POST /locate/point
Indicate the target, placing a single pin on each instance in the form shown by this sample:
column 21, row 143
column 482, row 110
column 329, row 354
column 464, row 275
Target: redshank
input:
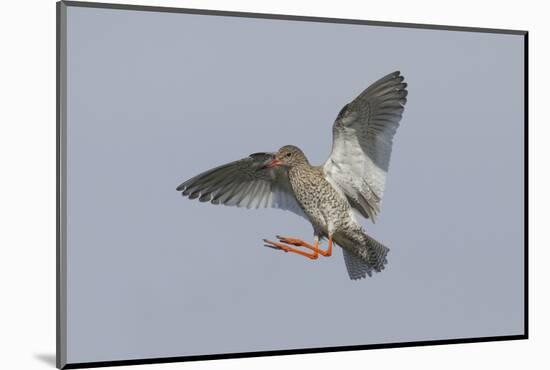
column 353, row 178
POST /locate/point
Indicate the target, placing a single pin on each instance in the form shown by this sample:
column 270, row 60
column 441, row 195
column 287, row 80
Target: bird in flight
column 353, row 178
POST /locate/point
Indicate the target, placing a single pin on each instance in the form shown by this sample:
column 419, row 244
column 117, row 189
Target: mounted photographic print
column 236, row 184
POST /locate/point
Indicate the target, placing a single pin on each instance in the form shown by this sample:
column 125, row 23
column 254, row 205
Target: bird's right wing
column 244, row 183
column 362, row 143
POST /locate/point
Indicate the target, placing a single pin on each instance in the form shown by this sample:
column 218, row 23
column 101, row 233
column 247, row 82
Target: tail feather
column 375, row 253
column 362, row 254
column 357, row 269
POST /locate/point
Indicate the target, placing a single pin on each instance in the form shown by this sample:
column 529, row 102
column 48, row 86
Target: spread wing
column 244, row 183
column 362, row 143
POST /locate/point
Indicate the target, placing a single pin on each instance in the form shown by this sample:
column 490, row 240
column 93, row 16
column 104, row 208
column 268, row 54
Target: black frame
column 61, row 143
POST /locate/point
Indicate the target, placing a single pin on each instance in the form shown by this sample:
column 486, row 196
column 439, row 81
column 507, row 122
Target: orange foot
column 285, row 243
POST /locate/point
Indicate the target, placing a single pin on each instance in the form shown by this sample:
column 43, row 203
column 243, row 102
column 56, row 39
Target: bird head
column 288, row 156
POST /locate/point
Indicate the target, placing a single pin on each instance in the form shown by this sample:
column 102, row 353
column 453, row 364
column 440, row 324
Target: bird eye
column 288, row 154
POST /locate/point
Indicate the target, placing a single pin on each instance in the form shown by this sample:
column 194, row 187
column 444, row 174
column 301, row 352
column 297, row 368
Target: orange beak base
column 273, row 163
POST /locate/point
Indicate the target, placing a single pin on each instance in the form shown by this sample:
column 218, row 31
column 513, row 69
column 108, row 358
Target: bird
column 331, row 196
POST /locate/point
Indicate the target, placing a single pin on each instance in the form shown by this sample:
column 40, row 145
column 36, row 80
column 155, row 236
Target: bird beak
column 273, row 163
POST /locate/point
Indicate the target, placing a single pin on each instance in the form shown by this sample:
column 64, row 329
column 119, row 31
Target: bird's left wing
column 244, row 183
column 362, row 143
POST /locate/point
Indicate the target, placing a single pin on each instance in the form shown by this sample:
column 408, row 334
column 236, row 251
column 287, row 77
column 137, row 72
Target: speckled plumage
column 330, row 213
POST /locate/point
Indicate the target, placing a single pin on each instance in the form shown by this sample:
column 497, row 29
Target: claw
column 292, row 241
column 285, row 248
column 273, row 246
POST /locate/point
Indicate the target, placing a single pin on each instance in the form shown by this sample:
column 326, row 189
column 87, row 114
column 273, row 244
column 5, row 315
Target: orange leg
column 301, row 243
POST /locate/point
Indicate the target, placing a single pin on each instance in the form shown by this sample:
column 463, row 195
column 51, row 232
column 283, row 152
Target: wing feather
column 362, row 143
column 244, row 183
